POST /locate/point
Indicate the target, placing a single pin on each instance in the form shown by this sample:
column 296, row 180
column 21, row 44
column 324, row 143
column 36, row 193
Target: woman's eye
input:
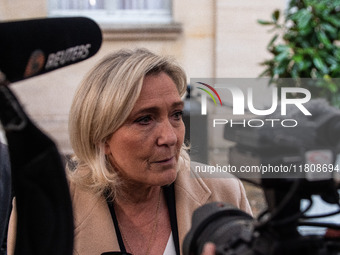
column 144, row 120
column 178, row 115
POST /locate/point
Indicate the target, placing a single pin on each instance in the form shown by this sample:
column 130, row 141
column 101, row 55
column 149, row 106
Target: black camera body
column 235, row 232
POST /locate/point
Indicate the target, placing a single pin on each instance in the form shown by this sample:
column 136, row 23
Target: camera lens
column 220, row 223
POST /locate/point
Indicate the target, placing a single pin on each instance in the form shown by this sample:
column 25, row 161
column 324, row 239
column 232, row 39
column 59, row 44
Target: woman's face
column 145, row 149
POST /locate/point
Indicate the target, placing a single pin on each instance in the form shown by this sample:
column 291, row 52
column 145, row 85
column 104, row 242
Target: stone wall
column 209, row 38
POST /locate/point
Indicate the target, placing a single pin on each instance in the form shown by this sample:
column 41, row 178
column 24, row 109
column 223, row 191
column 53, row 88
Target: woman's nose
column 167, row 135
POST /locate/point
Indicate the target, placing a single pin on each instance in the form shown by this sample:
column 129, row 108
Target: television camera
column 311, row 152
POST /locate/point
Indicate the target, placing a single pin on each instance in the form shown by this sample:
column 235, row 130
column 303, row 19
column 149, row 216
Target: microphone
column 33, row 47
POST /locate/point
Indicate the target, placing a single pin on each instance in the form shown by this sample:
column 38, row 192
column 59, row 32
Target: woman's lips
column 170, row 160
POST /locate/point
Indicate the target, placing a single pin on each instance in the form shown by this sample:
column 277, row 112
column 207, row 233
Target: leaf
column 305, row 30
column 329, row 28
column 308, row 51
column 279, row 70
column 304, row 19
column 276, row 15
column 264, row 22
column 332, row 60
column 282, row 56
column 333, row 20
column 336, row 71
column 337, row 53
column 270, row 44
column 305, row 65
column 297, row 58
column 295, row 71
column 301, row 17
column 319, row 64
column 324, row 39
column 281, row 48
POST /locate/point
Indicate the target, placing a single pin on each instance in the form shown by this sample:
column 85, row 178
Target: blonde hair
column 102, row 103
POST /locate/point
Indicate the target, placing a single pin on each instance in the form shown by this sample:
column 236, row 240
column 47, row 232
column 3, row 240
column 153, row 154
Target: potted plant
column 306, row 45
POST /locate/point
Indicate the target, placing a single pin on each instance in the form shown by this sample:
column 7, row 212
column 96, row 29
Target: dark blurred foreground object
column 43, row 203
column 34, row 47
column 5, row 195
column 234, row 232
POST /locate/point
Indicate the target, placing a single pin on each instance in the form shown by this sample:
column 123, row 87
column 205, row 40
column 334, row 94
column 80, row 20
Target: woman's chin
column 168, row 177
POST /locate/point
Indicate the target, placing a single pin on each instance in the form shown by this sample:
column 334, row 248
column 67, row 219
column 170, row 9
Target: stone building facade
column 209, row 38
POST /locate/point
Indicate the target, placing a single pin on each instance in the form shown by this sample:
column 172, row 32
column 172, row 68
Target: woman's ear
column 107, row 148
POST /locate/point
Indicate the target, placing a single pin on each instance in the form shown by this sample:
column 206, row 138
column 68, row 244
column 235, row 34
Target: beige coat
column 94, row 230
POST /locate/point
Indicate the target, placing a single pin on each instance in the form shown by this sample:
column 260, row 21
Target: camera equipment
column 43, row 203
column 37, row 46
column 312, row 151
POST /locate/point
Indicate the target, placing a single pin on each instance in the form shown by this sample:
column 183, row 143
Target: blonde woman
column 131, row 187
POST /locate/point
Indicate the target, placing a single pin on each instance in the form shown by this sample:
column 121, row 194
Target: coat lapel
column 190, row 193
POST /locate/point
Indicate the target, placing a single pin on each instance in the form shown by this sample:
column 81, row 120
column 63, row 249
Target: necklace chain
column 154, row 229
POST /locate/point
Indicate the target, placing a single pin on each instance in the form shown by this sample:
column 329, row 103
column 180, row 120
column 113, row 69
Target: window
column 115, row 11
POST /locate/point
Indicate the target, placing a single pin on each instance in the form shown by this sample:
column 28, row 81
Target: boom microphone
column 33, row 47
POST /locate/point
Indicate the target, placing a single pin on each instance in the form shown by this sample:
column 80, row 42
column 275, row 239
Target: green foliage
column 306, row 45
